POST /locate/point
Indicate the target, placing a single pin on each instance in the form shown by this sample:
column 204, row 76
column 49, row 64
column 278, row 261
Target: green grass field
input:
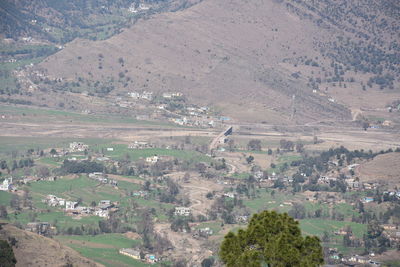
column 103, row 248
column 5, row 198
column 22, row 144
column 266, row 201
column 33, row 114
column 57, row 218
column 83, row 188
column 121, row 150
column 88, row 191
column 319, row 226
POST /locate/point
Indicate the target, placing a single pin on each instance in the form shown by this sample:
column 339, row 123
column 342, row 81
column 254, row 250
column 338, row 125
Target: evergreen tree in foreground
column 7, row 258
column 271, row 239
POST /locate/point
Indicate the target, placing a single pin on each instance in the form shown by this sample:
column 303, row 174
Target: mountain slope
column 226, row 53
column 34, row 250
column 248, row 58
column 62, row 21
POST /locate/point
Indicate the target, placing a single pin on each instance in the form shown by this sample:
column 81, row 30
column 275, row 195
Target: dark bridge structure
column 220, row 139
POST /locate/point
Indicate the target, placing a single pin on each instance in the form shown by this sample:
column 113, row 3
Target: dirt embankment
column 35, row 250
column 383, row 168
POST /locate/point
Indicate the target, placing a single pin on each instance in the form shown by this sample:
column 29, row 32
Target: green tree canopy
column 271, row 239
column 7, row 258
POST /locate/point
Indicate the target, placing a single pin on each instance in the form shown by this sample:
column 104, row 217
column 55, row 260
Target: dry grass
column 383, row 168
column 36, row 250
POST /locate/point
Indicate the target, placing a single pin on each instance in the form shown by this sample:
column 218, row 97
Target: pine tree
column 271, row 239
column 7, row 257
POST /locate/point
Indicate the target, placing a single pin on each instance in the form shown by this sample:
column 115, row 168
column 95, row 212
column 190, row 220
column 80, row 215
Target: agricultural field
column 103, row 248
column 8, row 144
column 122, row 150
column 43, row 115
column 268, row 200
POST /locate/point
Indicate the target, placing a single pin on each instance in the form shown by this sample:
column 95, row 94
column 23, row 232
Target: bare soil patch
column 36, row 250
column 132, row 235
column 383, row 168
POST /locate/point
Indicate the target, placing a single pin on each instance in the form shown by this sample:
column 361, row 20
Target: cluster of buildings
column 142, row 7
column 202, row 121
column 392, row 232
column 359, row 260
column 29, row 179
column 102, row 178
column 41, row 228
column 353, row 260
column 54, row 201
column 203, row 232
column 103, row 209
column 172, row 95
column 77, row 147
column 395, row 194
column 152, row 159
column 145, row 95
column 182, row 211
column 140, row 145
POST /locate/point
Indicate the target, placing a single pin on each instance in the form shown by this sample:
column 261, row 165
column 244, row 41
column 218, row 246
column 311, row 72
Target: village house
column 229, row 194
column 100, row 177
column 370, row 186
column 6, row 185
column 147, row 95
column 358, row 259
column 150, row 258
column 367, row 199
column 130, row 252
column 143, row 7
column 29, row 179
column 77, row 147
column 205, row 232
column 139, row 145
column 242, row 218
column 96, row 175
column 352, row 184
column 180, row 121
column 140, row 194
column 326, row 179
column 170, row 95
column 352, row 166
column 102, row 159
column 132, row 8
column 41, row 228
column 102, row 213
column 135, row 95
column 392, row 193
column 54, row 201
column 182, row 211
column 389, row 226
column 83, row 210
column 70, row 205
column 105, row 204
column 287, row 180
column 343, row 231
column 258, row 175
column 152, row 160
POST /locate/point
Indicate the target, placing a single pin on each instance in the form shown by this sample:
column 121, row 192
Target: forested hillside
column 62, row 21
column 367, row 36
